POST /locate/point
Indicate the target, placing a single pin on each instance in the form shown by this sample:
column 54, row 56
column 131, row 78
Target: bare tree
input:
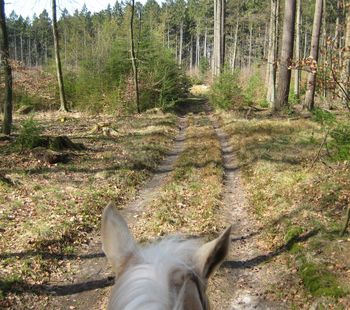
column 311, row 80
column 64, row 106
column 4, row 52
column 133, row 58
column 286, row 55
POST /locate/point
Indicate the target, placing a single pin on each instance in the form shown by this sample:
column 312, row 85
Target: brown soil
column 88, row 286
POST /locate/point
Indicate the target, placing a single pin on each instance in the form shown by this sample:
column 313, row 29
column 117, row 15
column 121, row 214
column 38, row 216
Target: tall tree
column 297, row 75
column 346, row 65
column 219, row 36
column 234, row 52
column 4, row 52
column 272, row 54
column 311, row 80
column 133, row 58
column 286, row 55
column 64, row 106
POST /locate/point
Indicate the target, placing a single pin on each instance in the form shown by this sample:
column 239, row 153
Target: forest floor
column 193, row 174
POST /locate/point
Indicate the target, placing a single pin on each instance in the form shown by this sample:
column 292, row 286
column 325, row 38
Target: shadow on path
column 253, row 262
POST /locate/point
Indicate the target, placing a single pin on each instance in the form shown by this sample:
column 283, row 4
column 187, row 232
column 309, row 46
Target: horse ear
column 117, row 242
column 210, row 255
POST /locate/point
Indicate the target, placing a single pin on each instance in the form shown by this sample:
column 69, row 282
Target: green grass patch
column 319, row 281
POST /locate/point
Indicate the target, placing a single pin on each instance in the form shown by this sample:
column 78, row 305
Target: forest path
column 243, row 281
column 88, row 286
column 245, row 278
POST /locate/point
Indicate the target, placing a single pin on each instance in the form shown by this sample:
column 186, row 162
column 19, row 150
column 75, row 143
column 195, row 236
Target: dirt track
column 243, row 281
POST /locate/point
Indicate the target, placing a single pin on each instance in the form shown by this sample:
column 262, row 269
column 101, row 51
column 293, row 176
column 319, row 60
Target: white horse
column 170, row 274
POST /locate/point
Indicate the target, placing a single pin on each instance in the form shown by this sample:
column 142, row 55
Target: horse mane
column 147, row 284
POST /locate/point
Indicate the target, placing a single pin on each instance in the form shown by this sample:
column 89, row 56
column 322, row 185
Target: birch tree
column 311, row 80
column 4, row 52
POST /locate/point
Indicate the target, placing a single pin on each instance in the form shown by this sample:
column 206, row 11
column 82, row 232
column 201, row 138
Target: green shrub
column 162, row 81
column 340, row 144
column 105, row 84
column 225, row 92
column 29, row 134
column 255, row 93
column 323, row 117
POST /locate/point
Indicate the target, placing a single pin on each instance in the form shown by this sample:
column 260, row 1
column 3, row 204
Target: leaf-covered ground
column 49, row 210
column 296, row 199
column 286, row 248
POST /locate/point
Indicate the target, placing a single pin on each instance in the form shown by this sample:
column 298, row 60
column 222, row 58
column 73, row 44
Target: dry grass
column 190, row 201
column 51, row 209
column 291, row 198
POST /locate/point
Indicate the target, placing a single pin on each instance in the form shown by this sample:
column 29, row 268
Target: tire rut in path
column 242, row 281
column 93, row 276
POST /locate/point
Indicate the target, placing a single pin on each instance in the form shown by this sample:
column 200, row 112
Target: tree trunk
column 272, row 54
column 286, row 55
column 250, row 45
column 346, row 64
column 197, row 50
column 205, row 43
column 305, row 45
column 133, row 58
column 63, row 101
column 191, row 54
column 325, row 48
column 311, row 80
column 297, row 76
column 234, row 55
column 21, row 42
column 176, row 49
column 5, row 56
column 219, row 36
column 337, row 25
column 181, row 42
column 29, row 52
